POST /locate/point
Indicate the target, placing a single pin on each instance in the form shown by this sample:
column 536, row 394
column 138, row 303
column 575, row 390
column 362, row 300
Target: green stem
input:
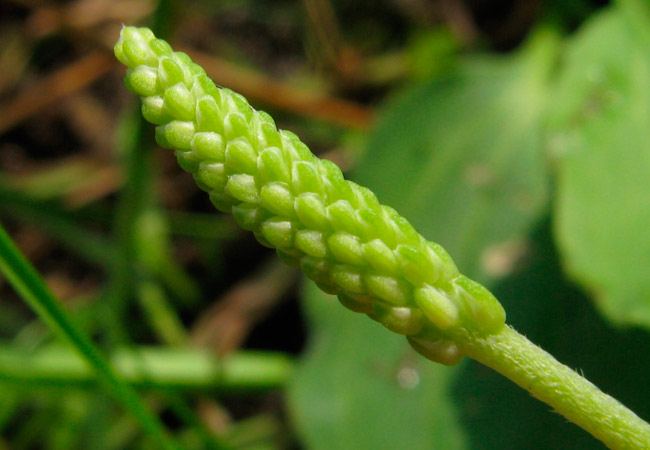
column 160, row 315
column 24, row 278
column 150, row 368
column 571, row 395
column 135, row 195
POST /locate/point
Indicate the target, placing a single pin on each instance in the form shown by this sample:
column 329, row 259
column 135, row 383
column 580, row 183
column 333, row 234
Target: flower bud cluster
column 336, row 231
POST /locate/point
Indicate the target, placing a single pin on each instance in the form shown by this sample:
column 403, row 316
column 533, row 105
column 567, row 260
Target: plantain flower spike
column 336, row 231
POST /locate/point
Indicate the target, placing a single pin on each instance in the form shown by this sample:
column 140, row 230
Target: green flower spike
column 335, row 230
column 344, row 239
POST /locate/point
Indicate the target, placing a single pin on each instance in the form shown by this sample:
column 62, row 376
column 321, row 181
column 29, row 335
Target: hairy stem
column 577, row 399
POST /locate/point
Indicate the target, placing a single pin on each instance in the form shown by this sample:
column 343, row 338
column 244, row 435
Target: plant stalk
column 577, row 399
column 149, row 368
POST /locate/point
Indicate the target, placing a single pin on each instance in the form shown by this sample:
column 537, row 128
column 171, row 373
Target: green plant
column 343, row 239
column 26, row 281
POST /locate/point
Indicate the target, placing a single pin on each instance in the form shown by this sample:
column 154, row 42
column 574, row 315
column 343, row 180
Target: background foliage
column 514, row 133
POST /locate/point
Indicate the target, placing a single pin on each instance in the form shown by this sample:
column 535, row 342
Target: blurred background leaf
column 359, row 387
column 599, row 140
column 461, row 156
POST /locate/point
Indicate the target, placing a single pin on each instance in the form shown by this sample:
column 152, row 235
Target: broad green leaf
column 461, row 157
column 601, row 143
column 361, row 387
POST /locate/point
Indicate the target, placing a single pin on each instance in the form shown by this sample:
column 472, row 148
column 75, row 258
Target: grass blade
column 26, row 281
